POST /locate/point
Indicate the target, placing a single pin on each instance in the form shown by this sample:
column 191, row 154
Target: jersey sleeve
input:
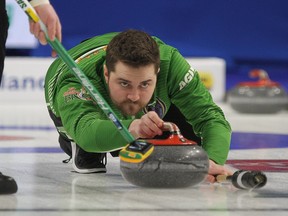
column 195, row 102
column 85, row 122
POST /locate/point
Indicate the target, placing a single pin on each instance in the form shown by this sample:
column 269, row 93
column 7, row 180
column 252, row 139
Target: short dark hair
column 134, row 48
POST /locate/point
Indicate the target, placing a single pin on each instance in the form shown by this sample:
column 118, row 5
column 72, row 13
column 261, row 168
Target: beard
column 129, row 108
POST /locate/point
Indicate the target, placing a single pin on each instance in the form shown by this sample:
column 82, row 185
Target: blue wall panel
column 243, row 32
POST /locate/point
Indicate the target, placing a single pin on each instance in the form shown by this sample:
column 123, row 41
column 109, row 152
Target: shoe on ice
column 86, row 162
column 7, row 185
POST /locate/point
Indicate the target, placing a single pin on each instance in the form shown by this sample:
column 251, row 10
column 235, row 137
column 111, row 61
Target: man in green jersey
column 140, row 77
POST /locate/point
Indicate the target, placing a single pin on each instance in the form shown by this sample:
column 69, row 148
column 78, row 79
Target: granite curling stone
column 259, row 97
column 174, row 163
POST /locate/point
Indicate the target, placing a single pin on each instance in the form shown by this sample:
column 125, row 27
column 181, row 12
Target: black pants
column 64, row 141
column 3, row 35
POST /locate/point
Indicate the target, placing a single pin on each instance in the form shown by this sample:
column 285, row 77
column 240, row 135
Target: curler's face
column 131, row 88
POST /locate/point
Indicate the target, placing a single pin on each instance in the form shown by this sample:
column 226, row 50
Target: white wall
column 23, row 80
column 212, row 72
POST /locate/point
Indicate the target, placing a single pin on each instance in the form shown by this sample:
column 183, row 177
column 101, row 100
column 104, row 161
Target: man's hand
column 215, row 169
column 51, row 20
column 147, row 127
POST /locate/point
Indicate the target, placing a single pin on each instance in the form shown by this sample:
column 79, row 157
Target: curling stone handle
column 169, row 126
column 259, row 73
column 262, row 76
column 175, row 136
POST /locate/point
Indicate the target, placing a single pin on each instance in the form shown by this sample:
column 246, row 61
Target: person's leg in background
column 7, row 184
column 3, row 35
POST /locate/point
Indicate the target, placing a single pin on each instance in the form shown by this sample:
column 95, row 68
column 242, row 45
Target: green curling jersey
column 83, row 121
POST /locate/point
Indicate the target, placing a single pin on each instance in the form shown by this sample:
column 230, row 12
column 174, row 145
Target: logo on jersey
column 73, row 93
column 187, row 78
